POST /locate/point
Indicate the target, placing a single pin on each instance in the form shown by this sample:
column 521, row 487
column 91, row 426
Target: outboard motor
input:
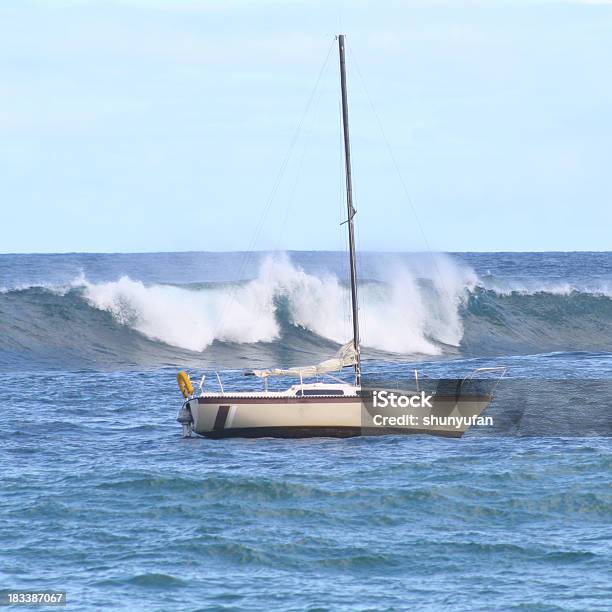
column 185, row 418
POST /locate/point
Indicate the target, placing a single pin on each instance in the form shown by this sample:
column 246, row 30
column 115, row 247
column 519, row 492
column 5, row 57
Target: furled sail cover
column 346, row 356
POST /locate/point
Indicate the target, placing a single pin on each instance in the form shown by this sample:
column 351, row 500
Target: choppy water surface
column 102, row 498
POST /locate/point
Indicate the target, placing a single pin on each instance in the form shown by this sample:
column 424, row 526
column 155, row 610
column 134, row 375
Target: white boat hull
column 302, row 417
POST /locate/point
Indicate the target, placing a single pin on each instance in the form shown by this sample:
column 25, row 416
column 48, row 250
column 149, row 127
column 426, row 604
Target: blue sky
column 161, row 125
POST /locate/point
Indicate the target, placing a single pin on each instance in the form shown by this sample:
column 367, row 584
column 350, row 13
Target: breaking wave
column 286, row 312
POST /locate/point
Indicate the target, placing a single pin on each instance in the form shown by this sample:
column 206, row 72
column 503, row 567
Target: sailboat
column 321, row 409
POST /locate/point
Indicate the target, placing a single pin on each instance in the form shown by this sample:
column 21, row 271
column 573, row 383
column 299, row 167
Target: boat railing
column 473, row 373
column 334, row 378
column 203, row 379
column 220, row 383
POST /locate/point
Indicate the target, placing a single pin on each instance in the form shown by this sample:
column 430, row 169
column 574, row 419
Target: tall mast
column 351, row 211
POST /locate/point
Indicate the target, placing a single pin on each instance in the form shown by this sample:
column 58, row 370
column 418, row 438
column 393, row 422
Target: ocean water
column 102, row 498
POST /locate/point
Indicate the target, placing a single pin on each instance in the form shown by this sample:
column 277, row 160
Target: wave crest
column 288, row 316
column 400, row 315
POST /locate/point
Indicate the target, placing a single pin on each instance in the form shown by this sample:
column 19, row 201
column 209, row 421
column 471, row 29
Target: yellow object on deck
column 184, row 383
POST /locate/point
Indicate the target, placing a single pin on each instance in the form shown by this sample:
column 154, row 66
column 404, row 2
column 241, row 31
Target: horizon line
column 264, row 251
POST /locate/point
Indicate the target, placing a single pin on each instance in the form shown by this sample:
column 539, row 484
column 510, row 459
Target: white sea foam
column 400, row 314
column 414, row 306
column 185, row 318
column 535, row 286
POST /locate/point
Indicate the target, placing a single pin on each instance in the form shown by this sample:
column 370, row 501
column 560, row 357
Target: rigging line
column 258, row 228
column 399, row 174
column 307, row 139
column 276, row 242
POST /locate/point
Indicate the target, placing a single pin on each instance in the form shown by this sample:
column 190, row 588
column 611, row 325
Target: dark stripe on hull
column 314, row 399
column 316, row 432
column 221, row 417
